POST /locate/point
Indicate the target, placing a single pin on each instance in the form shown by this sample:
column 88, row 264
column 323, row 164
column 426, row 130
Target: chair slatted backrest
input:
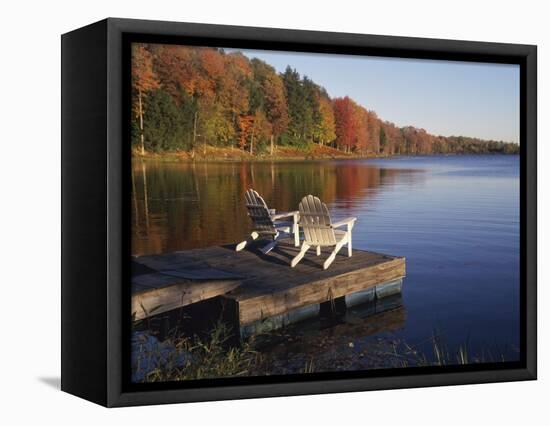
column 315, row 221
column 259, row 213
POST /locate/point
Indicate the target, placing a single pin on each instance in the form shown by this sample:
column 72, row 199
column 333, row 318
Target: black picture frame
column 95, row 224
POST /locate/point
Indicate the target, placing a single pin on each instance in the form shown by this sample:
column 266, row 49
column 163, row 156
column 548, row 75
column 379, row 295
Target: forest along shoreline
column 197, row 102
column 281, row 154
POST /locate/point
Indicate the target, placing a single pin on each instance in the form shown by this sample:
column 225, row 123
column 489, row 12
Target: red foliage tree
column 346, row 126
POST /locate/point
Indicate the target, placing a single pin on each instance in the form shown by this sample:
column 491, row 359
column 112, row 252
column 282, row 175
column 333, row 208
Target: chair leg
column 300, row 255
column 271, row 245
column 333, row 254
column 349, row 244
column 254, row 235
column 296, row 231
column 318, row 250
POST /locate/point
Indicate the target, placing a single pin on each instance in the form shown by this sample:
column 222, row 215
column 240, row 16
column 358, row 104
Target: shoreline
column 232, row 155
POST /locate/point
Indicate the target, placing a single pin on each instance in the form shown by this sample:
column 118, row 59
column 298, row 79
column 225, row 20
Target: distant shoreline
column 319, row 153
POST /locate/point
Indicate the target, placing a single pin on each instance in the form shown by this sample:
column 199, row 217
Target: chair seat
column 282, row 223
column 280, row 226
column 339, row 235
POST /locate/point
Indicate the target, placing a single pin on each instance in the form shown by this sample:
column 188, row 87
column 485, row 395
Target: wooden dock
column 260, row 286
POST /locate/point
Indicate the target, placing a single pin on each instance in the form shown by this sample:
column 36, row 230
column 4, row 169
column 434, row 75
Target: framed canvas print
column 252, row 212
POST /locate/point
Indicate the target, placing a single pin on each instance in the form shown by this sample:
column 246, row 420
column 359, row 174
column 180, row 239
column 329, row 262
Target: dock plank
column 309, row 288
column 156, row 293
column 269, row 285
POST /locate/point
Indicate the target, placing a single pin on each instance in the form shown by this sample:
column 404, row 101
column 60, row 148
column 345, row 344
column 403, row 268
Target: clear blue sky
column 443, row 97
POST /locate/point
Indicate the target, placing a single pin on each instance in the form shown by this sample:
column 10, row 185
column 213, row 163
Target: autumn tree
column 144, row 81
column 176, row 67
column 325, row 130
column 361, row 142
column 373, row 132
column 312, row 116
column 394, row 138
column 214, row 120
column 268, row 96
column 344, row 114
column 215, row 124
column 233, row 90
column 351, row 125
column 246, row 126
column 382, row 140
column 261, row 131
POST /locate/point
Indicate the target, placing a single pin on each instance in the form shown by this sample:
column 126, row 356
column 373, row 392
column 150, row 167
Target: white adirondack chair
column 319, row 231
column 268, row 223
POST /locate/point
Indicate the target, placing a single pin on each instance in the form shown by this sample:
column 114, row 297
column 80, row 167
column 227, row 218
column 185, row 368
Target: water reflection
column 178, row 206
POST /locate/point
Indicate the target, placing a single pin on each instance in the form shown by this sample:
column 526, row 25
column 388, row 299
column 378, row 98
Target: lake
column 455, row 219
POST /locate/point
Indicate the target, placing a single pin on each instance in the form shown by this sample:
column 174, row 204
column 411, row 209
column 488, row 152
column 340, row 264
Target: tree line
column 185, row 98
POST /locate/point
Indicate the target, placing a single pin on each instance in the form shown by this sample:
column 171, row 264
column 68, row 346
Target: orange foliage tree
column 144, row 80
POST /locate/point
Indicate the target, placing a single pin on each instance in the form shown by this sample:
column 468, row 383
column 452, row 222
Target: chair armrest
column 346, row 221
column 285, row 214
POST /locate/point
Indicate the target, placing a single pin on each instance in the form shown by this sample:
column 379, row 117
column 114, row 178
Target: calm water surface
column 455, row 219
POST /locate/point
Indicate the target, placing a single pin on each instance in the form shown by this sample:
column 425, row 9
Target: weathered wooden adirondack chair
column 268, row 223
column 319, row 231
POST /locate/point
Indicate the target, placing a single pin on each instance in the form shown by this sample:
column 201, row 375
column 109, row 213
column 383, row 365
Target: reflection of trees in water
column 179, row 206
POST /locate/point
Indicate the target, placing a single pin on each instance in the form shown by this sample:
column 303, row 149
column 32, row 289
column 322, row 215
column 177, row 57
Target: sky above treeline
column 443, row 97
